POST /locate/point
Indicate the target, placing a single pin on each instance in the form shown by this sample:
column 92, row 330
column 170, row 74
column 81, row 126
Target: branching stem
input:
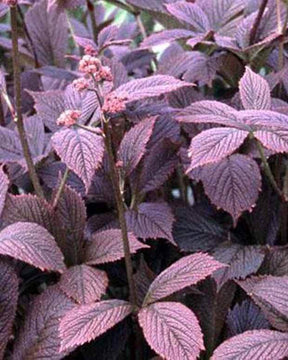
column 19, row 119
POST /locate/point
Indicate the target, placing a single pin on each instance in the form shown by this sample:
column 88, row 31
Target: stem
column 257, row 21
column 90, row 7
column 141, row 26
column 121, row 212
column 268, row 171
column 182, row 186
column 19, row 119
column 29, row 40
column 61, row 188
column 2, row 121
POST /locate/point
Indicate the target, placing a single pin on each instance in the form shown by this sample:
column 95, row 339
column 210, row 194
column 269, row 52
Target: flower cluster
column 114, row 103
column 68, row 118
column 81, row 84
column 90, row 65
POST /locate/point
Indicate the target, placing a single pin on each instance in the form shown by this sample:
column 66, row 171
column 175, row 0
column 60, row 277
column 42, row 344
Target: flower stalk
column 18, row 116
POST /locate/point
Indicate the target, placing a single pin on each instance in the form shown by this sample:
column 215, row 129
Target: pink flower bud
column 68, row 118
column 81, row 84
column 114, row 103
column 89, row 64
column 105, row 73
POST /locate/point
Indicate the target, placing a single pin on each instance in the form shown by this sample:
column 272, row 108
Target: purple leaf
column 185, row 272
column 48, row 32
column 8, row 301
column 191, row 14
column 267, row 118
column 151, row 221
column 49, row 106
column 142, row 278
column 50, row 175
column 222, row 13
column 39, row 336
column 172, row 330
column 107, row 246
column 275, row 140
column 4, row 185
column 210, row 112
column 276, row 261
column 229, row 184
column 83, row 283
column 254, row 91
column 202, row 68
column 10, row 146
column 242, row 261
column 87, row 322
column 165, row 128
column 80, row 150
column 194, row 231
column 215, row 144
column 107, row 35
column 36, row 135
column 29, row 208
column 165, row 36
column 211, row 308
column 71, row 215
column 149, row 87
column 33, row 244
column 270, row 294
column 254, row 345
column 3, row 9
column 64, row 4
column 158, row 165
column 133, row 145
column 246, row 316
